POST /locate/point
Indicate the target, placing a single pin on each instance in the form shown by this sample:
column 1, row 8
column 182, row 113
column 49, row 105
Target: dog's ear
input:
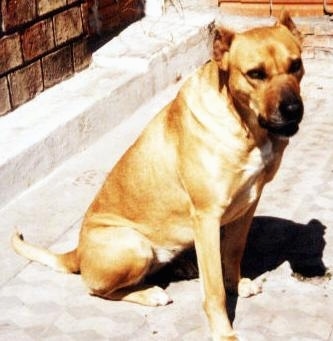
column 221, row 45
column 285, row 20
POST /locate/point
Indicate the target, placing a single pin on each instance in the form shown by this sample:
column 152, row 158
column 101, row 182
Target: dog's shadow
column 271, row 242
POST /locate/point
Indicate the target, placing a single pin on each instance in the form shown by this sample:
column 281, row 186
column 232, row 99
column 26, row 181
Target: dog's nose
column 291, row 108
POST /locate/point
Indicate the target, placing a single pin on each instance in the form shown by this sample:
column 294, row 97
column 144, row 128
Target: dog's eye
column 295, row 66
column 258, row 74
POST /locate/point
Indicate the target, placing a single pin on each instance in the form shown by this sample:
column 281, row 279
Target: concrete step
column 125, row 73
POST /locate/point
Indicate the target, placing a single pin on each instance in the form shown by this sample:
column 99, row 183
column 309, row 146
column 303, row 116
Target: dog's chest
column 247, row 183
column 259, row 158
column 254, row 172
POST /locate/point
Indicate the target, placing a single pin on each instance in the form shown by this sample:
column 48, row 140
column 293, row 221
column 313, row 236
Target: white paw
column 158, row 297
column 247, row 288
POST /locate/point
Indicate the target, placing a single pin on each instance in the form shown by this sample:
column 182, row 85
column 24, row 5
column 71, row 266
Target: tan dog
column 201, row 163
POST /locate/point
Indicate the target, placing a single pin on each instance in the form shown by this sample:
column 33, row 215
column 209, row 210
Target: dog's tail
column 66, row 262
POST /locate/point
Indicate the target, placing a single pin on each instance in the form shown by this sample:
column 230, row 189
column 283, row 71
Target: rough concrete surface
column 292, row 231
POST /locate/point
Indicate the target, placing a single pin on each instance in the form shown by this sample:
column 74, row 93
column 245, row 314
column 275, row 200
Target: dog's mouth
column 283, row 129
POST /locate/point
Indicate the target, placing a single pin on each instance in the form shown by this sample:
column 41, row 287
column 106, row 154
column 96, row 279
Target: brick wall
column 272, row 7
column 41, row 43
column 109, row 16
column 318, row 38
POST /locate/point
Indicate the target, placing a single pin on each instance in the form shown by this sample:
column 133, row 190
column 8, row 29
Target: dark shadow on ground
column 271, row 242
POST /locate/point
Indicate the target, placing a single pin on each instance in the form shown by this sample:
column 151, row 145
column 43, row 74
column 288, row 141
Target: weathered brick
column 107, row 12
column 316, row 41
column 110, row 24
column 324, row 53
column 324, row 29
column 130, row 10
column 17, row 12
column 11, row 55
column 57, row 66
column 37, row 39
column 81, row 55
column 67, row 25
column 103, row 3
column 85, row 18
column 46, row 6
column 4, row 96
column 299, row 10
column 237, row 8
column 330, row 41
column 109, row 17
column 306, row 28
column 25, row 83
column 308, row 52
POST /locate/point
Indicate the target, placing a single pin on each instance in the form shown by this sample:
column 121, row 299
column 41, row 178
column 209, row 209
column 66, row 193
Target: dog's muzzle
column 285, row 121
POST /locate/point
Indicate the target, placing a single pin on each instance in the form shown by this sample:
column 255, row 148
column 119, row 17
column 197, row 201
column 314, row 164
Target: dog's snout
column 291, row 107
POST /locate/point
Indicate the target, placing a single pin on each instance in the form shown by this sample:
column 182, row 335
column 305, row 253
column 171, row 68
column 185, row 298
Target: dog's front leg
column 233, row 243
column 207, row 245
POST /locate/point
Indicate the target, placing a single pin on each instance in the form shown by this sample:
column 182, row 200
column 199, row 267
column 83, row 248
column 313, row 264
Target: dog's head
column 262, row 69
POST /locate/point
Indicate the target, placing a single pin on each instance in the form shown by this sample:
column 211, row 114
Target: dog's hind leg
column 114, row 262
column 142, row 294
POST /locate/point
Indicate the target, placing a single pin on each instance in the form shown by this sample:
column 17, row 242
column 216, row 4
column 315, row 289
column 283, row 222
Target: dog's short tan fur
column 201, row 163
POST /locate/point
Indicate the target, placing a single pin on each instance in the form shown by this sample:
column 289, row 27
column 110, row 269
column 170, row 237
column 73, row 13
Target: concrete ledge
column 129, row 70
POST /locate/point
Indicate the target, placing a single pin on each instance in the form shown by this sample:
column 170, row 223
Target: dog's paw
column 247, row 287
column 156, row 296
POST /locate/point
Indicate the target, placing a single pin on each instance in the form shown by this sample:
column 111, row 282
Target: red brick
column 11, row 55
column 81, row 55
column 46, row 6
column 103, row 3
column 299, row 10
column 57, row 66
column 67, row 25
column 17, row 12
column 107, row 12
column 109, row 17
column 220, row 1
column 4, row 96
column 37, row 39
column 85, row 18
column 110, row 24
column 130, row 10
column 236, row 8
column 299, row 2
column 25, row 83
